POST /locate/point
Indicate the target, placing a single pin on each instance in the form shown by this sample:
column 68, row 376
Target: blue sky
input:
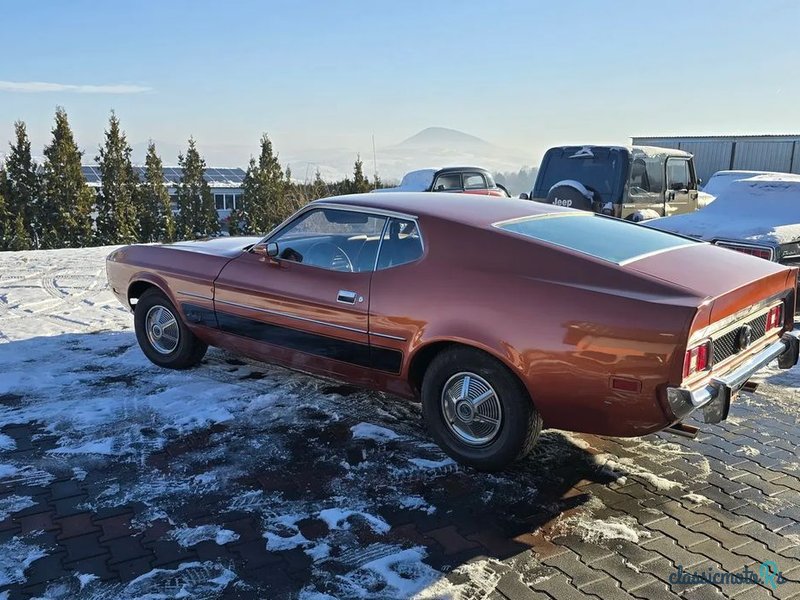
column 520, row 74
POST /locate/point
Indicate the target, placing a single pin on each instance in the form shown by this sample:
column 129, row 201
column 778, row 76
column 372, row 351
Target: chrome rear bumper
column 714, row 398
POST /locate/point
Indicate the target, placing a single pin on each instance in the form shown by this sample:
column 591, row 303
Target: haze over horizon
column 323, row 78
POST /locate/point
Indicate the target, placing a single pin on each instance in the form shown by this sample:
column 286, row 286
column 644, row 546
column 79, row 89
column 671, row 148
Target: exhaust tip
column 683, row 430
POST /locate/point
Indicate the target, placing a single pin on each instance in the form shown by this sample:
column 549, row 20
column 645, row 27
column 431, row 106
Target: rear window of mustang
column 602, row 237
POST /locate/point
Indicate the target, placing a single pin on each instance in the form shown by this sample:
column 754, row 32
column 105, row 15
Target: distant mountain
column 444, row 137
column 431, row 147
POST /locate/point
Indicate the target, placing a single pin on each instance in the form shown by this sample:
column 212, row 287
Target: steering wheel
column 329, row 254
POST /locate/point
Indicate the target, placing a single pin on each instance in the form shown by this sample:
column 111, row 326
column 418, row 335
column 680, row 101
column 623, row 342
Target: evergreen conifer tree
column 22, row 190
column 198, row 215
column 116, row 221
column 66, row 201
column 360, row 184
column 264, row 201
column 155, row 211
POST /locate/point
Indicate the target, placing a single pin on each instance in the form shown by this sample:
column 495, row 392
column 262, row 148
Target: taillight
column 761, row 253
column 696, row 359
column 775, row 317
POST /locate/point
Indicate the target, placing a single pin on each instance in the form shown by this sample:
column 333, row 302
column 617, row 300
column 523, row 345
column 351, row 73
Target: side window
column 401, row 244
column 447, row 183
column 333, row 239
column 474, row 181
column 219, row 201
column 646, row 181
column 677, row 174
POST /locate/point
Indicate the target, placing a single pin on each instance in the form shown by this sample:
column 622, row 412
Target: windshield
column 602, row 170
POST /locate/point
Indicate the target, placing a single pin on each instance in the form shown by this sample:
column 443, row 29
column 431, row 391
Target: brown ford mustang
column 503, row 316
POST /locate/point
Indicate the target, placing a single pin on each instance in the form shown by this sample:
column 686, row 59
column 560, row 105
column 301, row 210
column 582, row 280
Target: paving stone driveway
column 727, row 500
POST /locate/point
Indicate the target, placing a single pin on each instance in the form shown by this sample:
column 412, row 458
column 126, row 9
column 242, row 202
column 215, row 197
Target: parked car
column 759, row 215
column 503, row 317
column 722, row 179
column 466, row 180
column 634, row 182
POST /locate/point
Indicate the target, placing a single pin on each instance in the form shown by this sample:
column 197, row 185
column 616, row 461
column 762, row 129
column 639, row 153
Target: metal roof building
column 780, row 153
column 225, row 184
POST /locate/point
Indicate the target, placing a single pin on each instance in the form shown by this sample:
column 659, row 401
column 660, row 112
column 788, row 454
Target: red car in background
column 464, row 180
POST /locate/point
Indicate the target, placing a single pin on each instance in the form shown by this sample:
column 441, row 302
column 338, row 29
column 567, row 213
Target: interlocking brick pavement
column 558, row 527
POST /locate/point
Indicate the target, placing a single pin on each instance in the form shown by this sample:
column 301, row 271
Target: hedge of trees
column 51, row 206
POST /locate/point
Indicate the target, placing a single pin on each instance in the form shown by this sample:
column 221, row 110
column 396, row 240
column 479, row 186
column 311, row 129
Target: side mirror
column 269, row 250
column 524, row 196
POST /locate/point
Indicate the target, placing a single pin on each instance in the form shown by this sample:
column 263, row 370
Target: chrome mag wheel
column 471, row 408
column 162, row 329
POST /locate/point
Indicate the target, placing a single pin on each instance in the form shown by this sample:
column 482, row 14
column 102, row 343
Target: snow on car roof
column 760, row 208
column 414, row 181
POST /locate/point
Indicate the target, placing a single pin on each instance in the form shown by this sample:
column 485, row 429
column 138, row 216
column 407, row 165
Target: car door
column 680, row 195
column 308, row 306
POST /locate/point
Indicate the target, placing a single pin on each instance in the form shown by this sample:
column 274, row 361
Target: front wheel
column 162, row 335
column 477, row 410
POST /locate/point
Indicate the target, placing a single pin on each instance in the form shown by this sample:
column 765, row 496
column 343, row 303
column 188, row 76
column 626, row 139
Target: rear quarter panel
column 563, row 323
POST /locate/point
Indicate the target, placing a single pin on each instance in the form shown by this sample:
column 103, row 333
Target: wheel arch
column 141, row 283
column 421, row 358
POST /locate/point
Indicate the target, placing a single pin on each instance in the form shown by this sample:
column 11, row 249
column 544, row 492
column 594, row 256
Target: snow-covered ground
column 327, row 471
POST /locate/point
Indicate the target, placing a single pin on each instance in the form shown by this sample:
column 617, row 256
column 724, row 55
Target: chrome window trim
column 421, row 243
column 279, row 313
column 380, row 245
column 379, row 212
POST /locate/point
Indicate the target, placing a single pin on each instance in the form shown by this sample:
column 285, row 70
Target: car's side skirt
column 363, row 355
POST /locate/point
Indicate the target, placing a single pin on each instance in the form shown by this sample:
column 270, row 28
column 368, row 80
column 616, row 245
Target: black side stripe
column 364, row 355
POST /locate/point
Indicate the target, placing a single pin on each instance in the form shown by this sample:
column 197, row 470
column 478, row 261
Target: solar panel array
column 172, row 175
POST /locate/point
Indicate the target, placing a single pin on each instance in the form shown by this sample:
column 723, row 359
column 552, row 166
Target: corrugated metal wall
column 780, row 154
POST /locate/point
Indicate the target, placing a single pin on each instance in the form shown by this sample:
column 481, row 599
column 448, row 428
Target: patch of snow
column 79, row 473
column 337, row 518
column 13, row 504
column 15, row 557
column 697, row 499
column 319, row 552
column 618, row 467
column 611, row 528
column 749, row 451
column 191, row 536
column 416, row 502
column 7, row 442
column 86, row 578
column 424, row 463
column 190, row 580
column 285, row 524
column 368, row 431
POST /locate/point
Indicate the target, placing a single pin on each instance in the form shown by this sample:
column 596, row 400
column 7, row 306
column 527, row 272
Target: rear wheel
column 477, row 410
column 162, row 335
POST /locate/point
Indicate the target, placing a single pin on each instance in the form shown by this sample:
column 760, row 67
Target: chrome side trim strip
column 193, row 295
column 279, row 313
column 388, row 337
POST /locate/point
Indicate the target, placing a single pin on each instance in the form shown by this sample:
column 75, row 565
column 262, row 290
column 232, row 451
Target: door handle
column 346, row 297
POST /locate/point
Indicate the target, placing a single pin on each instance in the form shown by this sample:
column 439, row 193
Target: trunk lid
column 730, row 281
